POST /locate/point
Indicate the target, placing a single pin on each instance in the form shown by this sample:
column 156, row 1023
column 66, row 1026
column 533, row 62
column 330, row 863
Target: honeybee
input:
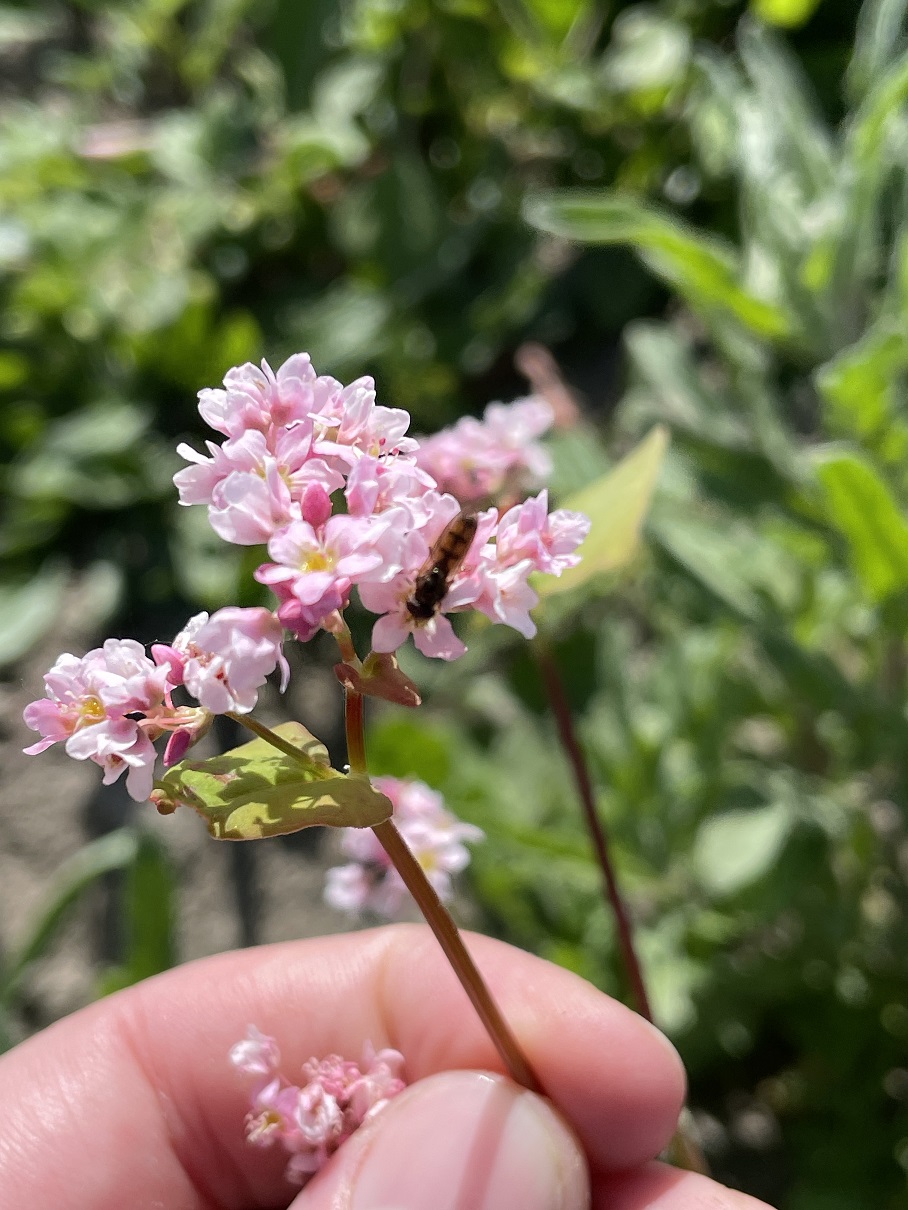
column 445, row 557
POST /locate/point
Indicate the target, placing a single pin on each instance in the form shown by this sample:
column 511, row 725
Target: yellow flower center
column 317, row 561
column 91, row 711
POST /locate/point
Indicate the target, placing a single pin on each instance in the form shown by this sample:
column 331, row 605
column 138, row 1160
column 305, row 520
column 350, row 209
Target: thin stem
column 558, row 700
column 263, row 732
column 354, row 723
column 684, row 1149
column 414, row 878
column 448, row 936
column 436, row 915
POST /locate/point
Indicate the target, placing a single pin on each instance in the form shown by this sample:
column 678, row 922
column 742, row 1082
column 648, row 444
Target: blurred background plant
column 705, row 219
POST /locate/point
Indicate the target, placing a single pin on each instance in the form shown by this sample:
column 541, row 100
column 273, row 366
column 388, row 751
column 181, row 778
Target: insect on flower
column 434, row 578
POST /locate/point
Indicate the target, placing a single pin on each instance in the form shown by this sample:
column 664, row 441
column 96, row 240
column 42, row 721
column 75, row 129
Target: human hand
column 132, row 1102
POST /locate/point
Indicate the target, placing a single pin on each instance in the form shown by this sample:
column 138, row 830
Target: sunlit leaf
column 870, row 164
column 256, row 790
column 737, row 848
column 703, row 269
column 862, row 385
column 861, row 507
column 648, row 56
column 28, row 611
column 617, row 504
column 877, row 41
column 787, row 13
column 712, row 557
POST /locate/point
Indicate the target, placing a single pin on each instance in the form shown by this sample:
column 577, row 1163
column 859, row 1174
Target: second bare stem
column 571, row 744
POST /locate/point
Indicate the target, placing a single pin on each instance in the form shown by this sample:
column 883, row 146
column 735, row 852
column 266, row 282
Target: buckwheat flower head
column 257, row 398
column 224, row 660
column 548, row 540
column 89, row 704
column 313, row 1118
column 479, row 460
column 436, row 837
column 295, row 440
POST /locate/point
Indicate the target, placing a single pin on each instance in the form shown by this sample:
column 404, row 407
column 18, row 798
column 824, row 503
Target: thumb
column 461, row 1138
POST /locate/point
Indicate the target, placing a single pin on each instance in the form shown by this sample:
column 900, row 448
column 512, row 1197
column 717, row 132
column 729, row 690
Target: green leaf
column 150, row 917
column 787, row 13
column 672, row 386
column 712, row 557
column 702, row 269
column 648, row 57
column 617, row 504
column 862, row 385
column 408, row 746
column 578, row 457
column 869, row 158
column 861, row 507
column 115, row 851
column 734, row 850
column 28, row 611
column 876, row 43
column 256, row 790
column 798, row 140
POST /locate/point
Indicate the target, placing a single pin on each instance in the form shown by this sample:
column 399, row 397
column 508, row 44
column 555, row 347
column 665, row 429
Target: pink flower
column 392, row 597
column 479, row 459
column 353, row 424
column 548, row 540
column 252, row 484
column 256, row 1055
column 94, row 691
column 433, row 636
column 256, row 398
column 369, row 882
column 507, row 596
column 227, row 657
column 375, row 485
column 312, row 1119
column 314, row 561
column 118, row 746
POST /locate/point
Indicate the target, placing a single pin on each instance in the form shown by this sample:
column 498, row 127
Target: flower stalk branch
column 448, row 936
column 564, row 721
column 436, row 914
column 684, row 1150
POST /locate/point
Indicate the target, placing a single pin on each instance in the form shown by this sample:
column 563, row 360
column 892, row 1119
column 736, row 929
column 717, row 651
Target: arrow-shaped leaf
column 257, row 790
column 617, row 504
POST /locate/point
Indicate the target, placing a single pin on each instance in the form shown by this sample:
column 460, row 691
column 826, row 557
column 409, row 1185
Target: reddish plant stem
column 414, row 878
column 554, row 686
column 684, row 1150
column 437, row 916
column 354, row 723
column 448, row 936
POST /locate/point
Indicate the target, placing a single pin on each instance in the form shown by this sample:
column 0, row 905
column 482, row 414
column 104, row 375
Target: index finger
column 134, row 1098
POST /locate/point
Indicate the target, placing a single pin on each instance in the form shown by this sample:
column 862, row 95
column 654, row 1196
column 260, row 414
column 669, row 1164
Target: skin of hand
column 132, row 1101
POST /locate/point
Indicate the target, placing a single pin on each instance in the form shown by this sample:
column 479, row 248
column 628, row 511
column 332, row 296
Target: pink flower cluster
column 312, row 1119
column 369, row 882
column 110, row 705
column 343, row 498
column 498, row 456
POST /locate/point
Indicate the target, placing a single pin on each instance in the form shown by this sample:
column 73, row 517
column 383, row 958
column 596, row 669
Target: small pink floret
column 229, row 656
column 436, row 837
column 88, row 706
column 313, row 1118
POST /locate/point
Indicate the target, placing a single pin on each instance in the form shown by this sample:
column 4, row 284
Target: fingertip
column 661, row 1187
column 457, row 1139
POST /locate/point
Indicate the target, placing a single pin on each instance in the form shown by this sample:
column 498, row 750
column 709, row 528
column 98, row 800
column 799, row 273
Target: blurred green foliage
column 187, row 185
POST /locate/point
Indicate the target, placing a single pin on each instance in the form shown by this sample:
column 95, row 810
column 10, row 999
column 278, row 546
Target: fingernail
column 452, row 1141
